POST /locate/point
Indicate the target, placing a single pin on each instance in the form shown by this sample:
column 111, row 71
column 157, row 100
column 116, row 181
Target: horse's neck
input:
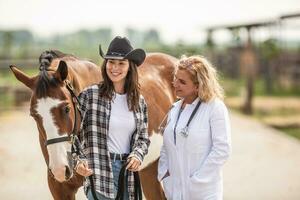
column 84, row 76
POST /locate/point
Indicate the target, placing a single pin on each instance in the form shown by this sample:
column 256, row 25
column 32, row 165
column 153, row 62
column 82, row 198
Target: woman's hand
column 83, row 169
column 133, row 164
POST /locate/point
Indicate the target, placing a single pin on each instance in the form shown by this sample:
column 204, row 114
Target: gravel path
column 23, row 173
column 264, row 164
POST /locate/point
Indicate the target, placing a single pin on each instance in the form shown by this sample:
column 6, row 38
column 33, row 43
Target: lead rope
column 138, row 195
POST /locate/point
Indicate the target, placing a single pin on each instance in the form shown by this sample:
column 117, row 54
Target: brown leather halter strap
column 58, row 140
column 70, row 138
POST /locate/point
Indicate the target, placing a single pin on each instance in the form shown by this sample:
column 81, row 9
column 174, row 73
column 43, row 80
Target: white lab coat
column 195, row 162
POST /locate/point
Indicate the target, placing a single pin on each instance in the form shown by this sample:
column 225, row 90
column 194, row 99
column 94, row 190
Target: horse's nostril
column 68, row 173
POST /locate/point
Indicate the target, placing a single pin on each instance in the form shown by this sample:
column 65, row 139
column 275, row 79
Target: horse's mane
column 45, row 81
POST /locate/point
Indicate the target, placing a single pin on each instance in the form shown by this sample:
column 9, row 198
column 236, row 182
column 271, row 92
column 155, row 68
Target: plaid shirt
column 94, row 134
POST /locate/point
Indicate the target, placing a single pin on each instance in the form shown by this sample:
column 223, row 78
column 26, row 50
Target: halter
column 76, row 150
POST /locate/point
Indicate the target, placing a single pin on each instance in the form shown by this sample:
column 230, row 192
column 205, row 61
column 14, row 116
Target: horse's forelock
column 45, row 82
column 48, row 56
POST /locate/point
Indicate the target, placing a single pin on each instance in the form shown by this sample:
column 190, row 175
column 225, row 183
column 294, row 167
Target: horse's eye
column 67, row 109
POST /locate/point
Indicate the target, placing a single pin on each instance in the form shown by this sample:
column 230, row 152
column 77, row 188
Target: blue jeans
column 116, row 167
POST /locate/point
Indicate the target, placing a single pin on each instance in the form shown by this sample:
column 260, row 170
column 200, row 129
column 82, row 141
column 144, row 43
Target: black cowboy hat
column 120, row 48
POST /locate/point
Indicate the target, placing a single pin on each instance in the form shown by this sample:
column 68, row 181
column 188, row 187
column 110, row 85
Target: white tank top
column 121, row 125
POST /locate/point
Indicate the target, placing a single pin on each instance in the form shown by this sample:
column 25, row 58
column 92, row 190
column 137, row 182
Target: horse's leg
column 61, row 191
column 151, row 186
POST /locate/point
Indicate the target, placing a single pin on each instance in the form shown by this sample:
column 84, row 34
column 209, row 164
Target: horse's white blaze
column 154, row 149
column 58, row 151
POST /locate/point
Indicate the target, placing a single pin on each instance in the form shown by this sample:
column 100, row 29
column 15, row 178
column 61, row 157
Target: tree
column 151, row 38
column 7, row 44
column 269, row 52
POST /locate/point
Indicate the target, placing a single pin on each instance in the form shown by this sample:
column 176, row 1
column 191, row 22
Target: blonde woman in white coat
column 192, row 155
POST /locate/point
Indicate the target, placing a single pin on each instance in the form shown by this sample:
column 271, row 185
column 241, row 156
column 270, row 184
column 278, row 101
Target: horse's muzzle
column 69, row 173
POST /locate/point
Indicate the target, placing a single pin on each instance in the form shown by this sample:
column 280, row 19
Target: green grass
column 277, row 91
column 232, row 87
column 275, row 112
column 7, row 77
column 235, row 87
column 281, row 112
column 294, row 132
column 6, row 101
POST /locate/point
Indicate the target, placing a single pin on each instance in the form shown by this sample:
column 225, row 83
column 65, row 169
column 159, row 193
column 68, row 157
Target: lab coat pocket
column 198, row 140
column 194, row 189
column 203, row 190
column 168, row 187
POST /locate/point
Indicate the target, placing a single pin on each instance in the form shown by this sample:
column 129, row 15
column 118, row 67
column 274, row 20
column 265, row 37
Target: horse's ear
column 62, row 70
column 22, row 77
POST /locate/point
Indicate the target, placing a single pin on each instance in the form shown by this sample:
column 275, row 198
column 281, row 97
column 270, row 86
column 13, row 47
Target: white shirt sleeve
column 221, row 144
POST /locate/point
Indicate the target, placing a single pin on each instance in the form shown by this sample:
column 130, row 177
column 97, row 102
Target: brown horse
column 52, row 108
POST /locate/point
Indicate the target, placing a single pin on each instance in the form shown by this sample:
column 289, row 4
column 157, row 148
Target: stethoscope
column 185, row 130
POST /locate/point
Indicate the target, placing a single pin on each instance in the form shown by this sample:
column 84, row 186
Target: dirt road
column 264, row 164
column 22, row 169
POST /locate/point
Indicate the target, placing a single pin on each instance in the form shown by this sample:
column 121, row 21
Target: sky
column 176, row 20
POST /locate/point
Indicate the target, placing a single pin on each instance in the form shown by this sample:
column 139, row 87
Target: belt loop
column 121, row 159
column 115, row 155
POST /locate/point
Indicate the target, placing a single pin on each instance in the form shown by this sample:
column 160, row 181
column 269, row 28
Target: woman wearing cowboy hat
column 114, row 127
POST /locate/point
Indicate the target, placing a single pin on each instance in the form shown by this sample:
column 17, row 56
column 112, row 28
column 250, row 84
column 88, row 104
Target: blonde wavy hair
column 204, row 75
